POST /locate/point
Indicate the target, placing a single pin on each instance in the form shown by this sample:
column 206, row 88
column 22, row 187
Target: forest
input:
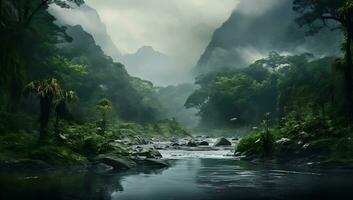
column 65, row 103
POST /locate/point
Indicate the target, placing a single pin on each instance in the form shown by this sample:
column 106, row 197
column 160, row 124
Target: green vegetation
column 309, row 98
column 62, row 76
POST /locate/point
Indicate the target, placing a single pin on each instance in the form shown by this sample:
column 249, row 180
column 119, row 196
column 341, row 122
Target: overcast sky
column 179, row 28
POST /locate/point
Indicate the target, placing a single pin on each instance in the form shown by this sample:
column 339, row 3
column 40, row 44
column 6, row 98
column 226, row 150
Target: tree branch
column 323, row 17
column 35, row 11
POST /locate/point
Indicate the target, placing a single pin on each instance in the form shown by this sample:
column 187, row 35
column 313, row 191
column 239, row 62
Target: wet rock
column 117, row 162
column 283, row 141
column 141, row 141
column 191, row 143
column 237, row 154
column 204, row 143
column 222, row 142
column 175, row 144
column 101, row 168
column 146, row 151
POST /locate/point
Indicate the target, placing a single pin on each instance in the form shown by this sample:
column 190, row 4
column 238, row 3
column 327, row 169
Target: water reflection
column 194, row 179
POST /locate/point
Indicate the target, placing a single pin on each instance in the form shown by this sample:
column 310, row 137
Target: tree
column 17, row 35
column 103, row 107
column 47, row 91
column 61, row 104
column 317, row 14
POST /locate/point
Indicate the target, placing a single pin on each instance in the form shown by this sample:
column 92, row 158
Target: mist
column 177, row 30
column 252, row 32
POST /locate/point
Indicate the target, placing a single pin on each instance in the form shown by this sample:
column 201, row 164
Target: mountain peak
column 146, row 49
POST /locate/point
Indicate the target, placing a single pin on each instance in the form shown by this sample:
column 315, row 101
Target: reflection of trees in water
column 101, row 186
column 64, row 185
column 55, row 185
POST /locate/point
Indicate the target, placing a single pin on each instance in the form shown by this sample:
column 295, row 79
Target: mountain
column 132, row 97
column 146, row 63
column 90, row 21
column 252, row 32
column 155, row 66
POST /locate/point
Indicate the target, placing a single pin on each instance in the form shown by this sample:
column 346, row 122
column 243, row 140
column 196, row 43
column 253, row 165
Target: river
column 193, row 175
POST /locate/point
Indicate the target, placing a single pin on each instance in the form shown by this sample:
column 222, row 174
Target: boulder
column 101, row 168
column 117, row 162
column 222, row 142
column 204, row 143
column 146, row 151
column 191, row 143
column 283, row 141
column 175, row 144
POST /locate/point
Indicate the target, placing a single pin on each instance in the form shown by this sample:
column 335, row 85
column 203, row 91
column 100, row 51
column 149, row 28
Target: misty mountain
column 89, row 19
column 252, row 32
column 134, row 97
column 152, row 65
column 146, row 63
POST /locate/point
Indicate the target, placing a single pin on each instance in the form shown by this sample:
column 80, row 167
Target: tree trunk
column 57, row 119
column 348, row 77
column 45, row 105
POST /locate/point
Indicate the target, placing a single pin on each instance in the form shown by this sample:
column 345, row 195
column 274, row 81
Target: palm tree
column 47, row 91
column 104, row 106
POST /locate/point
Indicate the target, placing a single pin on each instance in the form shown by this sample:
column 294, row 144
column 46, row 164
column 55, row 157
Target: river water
column 193, row 175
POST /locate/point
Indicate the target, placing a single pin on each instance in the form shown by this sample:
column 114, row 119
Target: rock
column 141, row 141
column 175, row 144
column 118, row 163
column 191, row 143
column 305, row 146
column 203, row 143
column 222, row 142
column 147, row 152
column 283, row 141
column 237, row 154
column 101, row 168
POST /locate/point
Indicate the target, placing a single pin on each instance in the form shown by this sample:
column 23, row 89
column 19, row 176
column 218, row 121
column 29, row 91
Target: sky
column 178, row 28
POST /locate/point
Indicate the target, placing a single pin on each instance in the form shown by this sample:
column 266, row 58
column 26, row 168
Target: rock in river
column 203, row 143
column 222, row 142
column 118, row 163
column 191, row 143
column 146, row 151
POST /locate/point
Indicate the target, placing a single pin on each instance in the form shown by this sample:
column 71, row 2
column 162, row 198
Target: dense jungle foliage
column 57, row 80
column 299, row 105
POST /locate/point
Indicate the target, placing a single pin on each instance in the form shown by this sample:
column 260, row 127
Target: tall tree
column 17, row 36
column 48, row 92
column 317, row 14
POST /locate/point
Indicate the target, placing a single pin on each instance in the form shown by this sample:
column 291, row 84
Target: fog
column 183, row 34
column 253, row 31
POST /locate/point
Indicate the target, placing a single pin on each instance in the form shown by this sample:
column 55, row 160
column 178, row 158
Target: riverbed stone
column 117, row 162
column 222, row 142
column 191, row 143
column 146, row 151
column 204, row 143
